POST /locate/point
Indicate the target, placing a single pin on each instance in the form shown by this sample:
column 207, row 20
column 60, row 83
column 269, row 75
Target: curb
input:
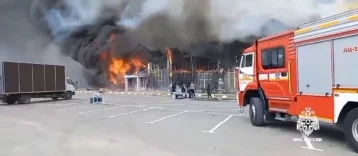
column 125, row 93
column 219, row 97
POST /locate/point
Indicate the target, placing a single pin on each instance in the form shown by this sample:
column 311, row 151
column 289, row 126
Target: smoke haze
column 163, row 23
column 21, row 41
column 80, row 29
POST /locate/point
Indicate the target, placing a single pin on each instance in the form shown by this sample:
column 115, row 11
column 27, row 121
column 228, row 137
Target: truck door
column 246, row 71
column 274, row 67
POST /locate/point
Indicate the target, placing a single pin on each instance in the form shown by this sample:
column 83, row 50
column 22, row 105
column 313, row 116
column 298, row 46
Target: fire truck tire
column 257, row 112
column 350, row 128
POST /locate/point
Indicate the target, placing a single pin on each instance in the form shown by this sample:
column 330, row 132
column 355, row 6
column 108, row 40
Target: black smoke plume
column 83, row 28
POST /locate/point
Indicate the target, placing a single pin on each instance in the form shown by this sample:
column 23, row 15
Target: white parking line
column 49, row 102
column 205, row 112
column 309, row 144
column 144, row 102
column 142, row 110
column 97, row 110
column 141, row 102
column 228, row 107
column 235, row 109
column 152, row 122
column 72, row 108
column 132, row 101
column 217, row 126
column 167, row 104
column 127, row 105
column 134, row 106
column 127, row 101
column 59, row 105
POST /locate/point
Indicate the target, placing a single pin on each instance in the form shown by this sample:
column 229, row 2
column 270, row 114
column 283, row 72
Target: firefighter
column 208, row 91
column 184, row 90
column 192, row 90
column 174, row 86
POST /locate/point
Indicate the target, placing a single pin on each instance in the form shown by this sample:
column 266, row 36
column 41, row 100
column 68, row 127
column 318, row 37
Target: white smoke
column 181, row 22
column 176, row 22
column 231, row 19
column 79, row 12
column 239, row 19
column 21, row 41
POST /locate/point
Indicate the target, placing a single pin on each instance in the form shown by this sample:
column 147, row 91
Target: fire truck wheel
column 350, row 128
column 257, row 112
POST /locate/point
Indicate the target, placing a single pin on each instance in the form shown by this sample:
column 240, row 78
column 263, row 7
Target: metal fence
column 161, row 80
column 226, row 84
column 229, row 81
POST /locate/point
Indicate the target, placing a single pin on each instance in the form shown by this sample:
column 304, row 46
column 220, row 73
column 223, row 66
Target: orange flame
column 118, row 67
column 170, row 58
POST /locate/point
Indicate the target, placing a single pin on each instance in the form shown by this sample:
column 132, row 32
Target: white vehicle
column 70, row 88
column 178, row 94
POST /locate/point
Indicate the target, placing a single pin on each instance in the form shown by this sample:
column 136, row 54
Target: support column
column 192, row 69
column 126, row 84
column 149, row 69
column 204, row 79
column 138, row 84
column 228, row 79
column 235, row 79
column 169, row 67
column 220, row 75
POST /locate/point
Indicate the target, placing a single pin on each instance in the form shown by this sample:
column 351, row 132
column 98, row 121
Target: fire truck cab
column 312, row 67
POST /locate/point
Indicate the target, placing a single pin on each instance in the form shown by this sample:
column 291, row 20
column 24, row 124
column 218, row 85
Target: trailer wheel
column 68, row 96
column 350, row 128
column 24, row 99
column 55, row 98
column 257, row 112
column 11, row 99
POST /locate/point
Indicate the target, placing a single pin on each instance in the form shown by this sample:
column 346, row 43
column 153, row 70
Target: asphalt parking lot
column 140, row 125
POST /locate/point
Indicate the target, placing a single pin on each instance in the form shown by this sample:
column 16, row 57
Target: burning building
column 106, row 37
column 210, row 63
column 206, row 63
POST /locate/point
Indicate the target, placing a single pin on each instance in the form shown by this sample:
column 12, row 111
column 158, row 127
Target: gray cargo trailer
column 22, row 81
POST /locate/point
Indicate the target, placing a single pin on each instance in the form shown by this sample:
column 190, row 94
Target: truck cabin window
column 69, row 81
column 247, row 60
column 273, row 58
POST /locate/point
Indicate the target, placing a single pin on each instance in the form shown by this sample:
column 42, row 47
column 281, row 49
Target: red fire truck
column 310, row 67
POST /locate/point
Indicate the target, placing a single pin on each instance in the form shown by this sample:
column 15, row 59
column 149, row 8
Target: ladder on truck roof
column 330, row 18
